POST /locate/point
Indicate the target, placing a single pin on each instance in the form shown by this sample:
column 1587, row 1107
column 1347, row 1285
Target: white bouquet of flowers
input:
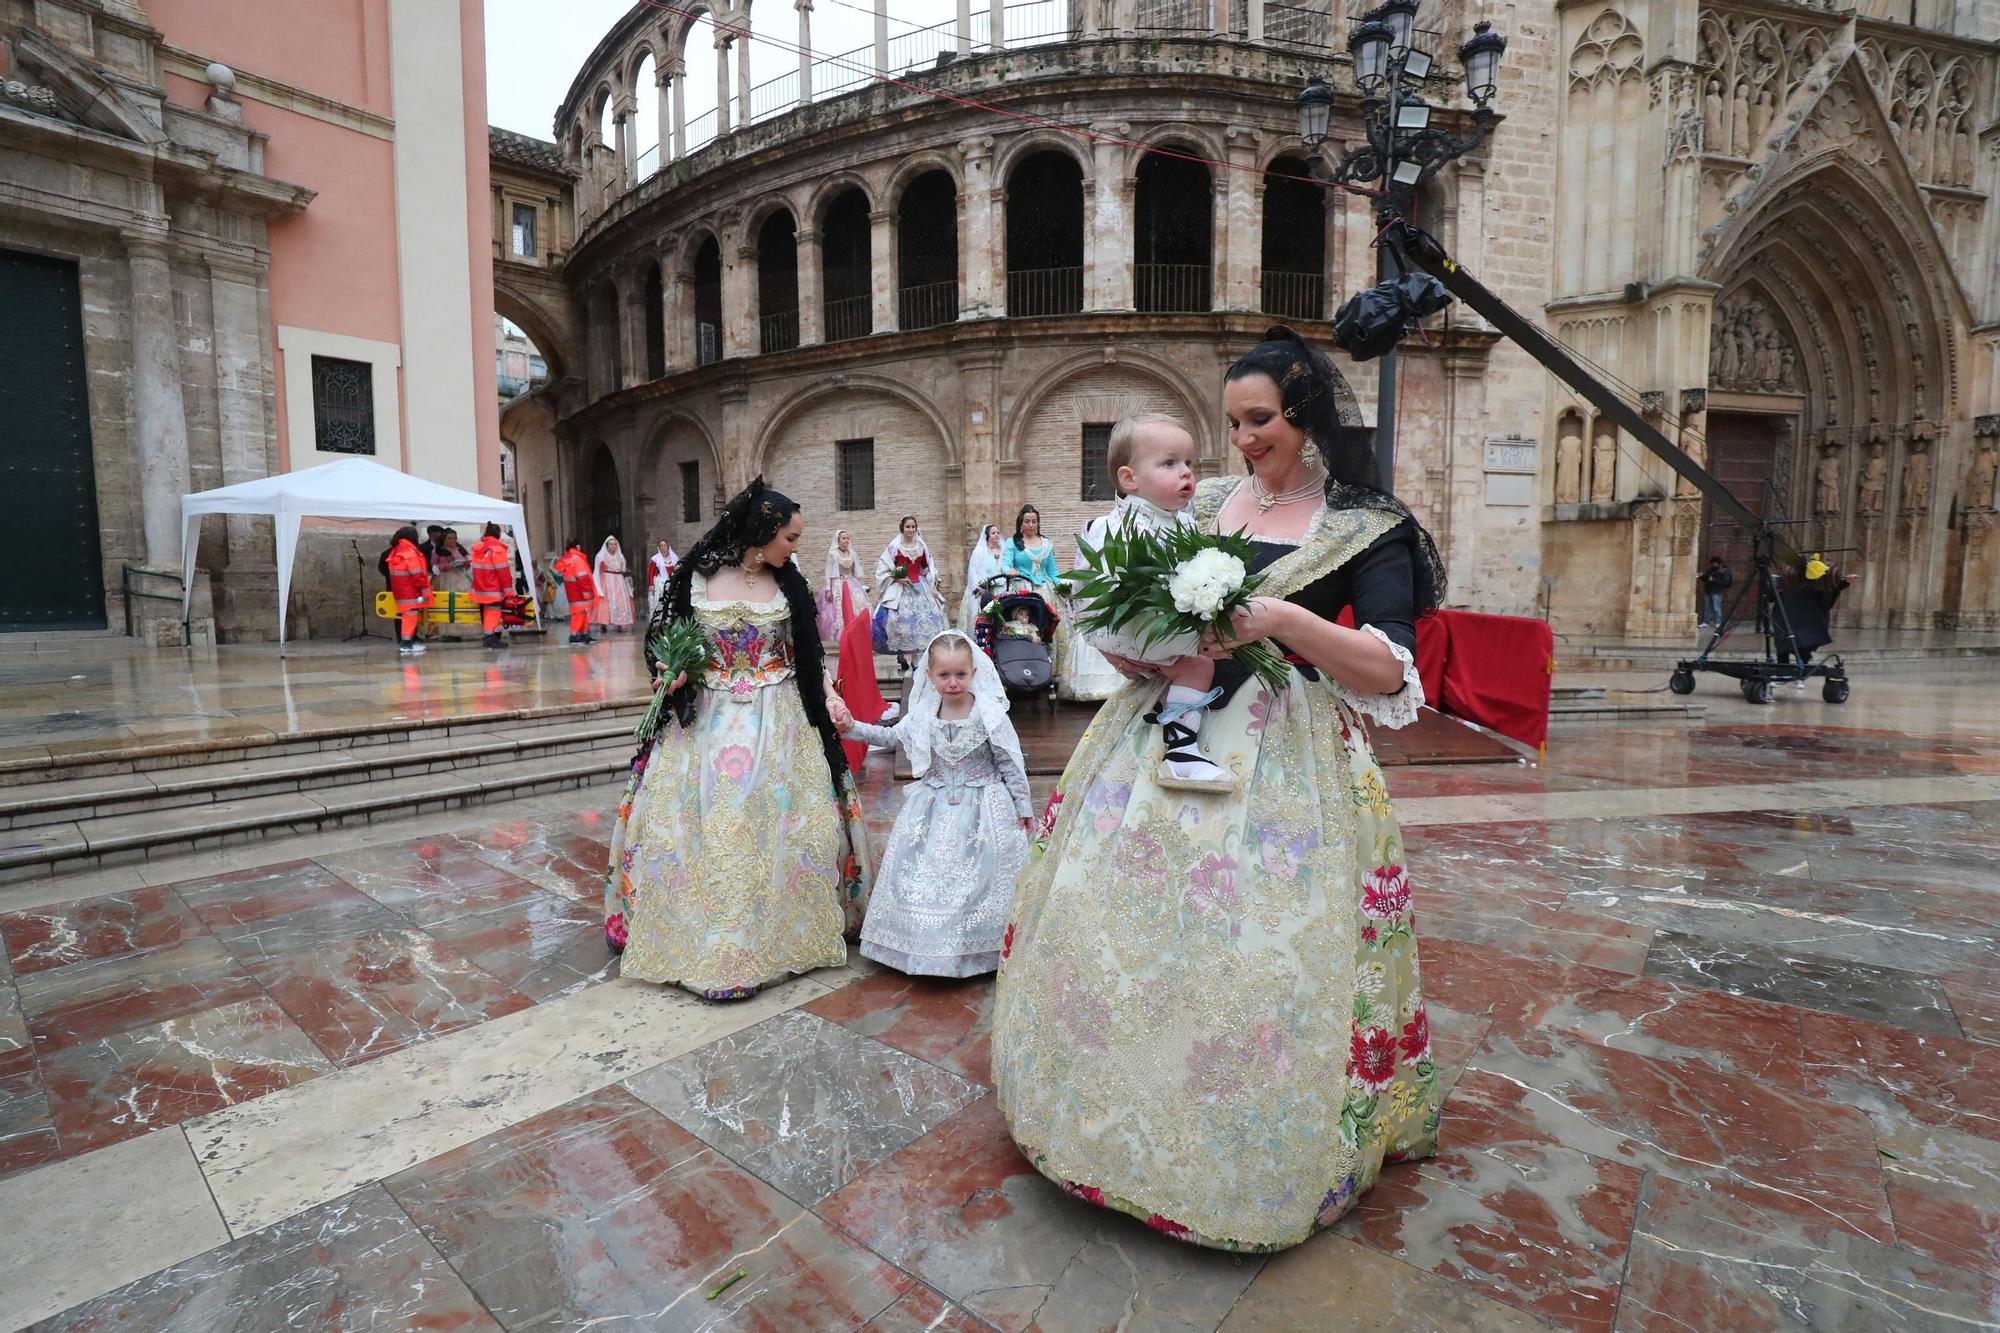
column 1169, row 588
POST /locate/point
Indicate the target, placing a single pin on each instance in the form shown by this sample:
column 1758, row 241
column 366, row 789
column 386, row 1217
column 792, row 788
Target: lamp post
column 1401, row 148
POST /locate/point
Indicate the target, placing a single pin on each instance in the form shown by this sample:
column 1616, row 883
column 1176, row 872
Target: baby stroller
column 1026, row 666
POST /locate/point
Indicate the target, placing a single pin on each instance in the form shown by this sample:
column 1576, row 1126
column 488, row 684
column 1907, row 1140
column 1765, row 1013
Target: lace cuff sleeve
column 868, row 733
column 1390, row 710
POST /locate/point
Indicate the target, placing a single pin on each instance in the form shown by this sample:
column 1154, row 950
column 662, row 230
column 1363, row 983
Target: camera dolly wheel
column 1756, row 691
column 1835, row 690
column 1682, row 681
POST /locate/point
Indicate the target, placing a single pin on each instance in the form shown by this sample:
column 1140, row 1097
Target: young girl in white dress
column 946, row 882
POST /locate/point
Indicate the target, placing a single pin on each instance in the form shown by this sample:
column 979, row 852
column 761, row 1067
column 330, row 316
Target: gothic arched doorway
column 605, row 515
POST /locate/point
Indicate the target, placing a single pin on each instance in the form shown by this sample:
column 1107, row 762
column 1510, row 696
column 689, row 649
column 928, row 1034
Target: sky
column 534, row 48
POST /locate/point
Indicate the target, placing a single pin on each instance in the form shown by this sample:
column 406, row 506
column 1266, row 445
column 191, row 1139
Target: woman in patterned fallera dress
column 739, row 856
column 1208, row 1013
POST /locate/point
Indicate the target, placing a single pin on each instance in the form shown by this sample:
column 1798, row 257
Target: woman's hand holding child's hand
column 843, row 719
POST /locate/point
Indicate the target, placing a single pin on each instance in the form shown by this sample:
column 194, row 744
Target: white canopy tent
column 350, row 488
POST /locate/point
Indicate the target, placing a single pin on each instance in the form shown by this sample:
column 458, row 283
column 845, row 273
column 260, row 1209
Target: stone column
column 882, row 269
column 664, row 81
column 964, row 27
column 621, row 129
column 805, row 9
column 679, row 68
column 737, row 438
column 246, row 429
column 631, row 320
column 739, row 302
column 160, row 416
column 1107, row 242
column 811, row 280
column 1125, row 17
column 997, row 25
column 1237, row 244
column 676, row 296
column 981, row 266
column 1254, row 15
column 743, row 74
column 881, row 38
column 721, row 84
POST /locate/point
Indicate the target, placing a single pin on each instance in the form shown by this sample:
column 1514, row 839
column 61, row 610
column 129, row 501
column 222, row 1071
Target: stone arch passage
column 927, row 252
column 1294, row 242
column 1045, row 235
column 1052, row 425
column 653, row 292
column 778, row 283
column 681, row 473
column 847, row 279
column 604, row 513
column 1172, row 250
column 707, row 302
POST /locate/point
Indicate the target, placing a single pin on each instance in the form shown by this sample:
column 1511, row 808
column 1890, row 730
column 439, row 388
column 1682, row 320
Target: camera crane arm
column 1421, row 250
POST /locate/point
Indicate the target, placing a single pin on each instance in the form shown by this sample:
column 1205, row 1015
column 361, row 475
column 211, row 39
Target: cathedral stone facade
column 1767, row 222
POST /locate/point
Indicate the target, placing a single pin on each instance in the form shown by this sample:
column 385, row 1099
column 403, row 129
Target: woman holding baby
column 1208, row 1012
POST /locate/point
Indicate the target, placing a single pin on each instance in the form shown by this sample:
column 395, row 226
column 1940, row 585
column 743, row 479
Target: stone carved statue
column 1826, row 481
column 1874, row 480
column 1739, row 120
column 1569, row 464
column 1749, row 350
column 1917, row 477
column 1979, row 485
column 1713, row 116
column 1603, row 463
column 1766, row 112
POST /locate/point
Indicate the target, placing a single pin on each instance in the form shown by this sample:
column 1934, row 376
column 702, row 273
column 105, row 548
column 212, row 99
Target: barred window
column 691, row 491
column 1097, row 483
column 524, row 231
column 343, row 406
column 854, row 474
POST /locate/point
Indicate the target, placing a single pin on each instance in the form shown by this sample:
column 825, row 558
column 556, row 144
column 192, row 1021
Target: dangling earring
column 755, row 559
column 1309, row 456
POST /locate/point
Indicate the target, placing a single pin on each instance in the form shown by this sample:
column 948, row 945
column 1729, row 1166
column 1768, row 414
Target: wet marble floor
column 1718, row 1009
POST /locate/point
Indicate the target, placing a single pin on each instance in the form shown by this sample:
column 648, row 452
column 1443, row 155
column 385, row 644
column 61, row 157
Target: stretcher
column 458, row 608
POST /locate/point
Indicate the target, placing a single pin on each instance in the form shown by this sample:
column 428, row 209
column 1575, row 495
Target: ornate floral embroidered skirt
column 1208, row 1012
column 908, row 619
column 732, row 864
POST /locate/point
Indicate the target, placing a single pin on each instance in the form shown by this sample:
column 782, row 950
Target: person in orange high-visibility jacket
column 492, row 579
column 580, row 588
column 409, row 571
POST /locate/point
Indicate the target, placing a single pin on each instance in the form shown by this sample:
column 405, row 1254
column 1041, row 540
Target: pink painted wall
column 479, row 223
column 314, row 46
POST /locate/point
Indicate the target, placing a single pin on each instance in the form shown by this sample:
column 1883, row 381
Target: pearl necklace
column 1266, row 501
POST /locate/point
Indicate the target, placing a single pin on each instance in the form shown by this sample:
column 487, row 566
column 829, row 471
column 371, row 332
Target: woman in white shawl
column 909, row 612
column 842, row 594
column 983, row 565
column 614, row 589
column 946, row 882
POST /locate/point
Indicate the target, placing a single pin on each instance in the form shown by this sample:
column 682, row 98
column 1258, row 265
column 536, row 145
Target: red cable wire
column 1002, row 112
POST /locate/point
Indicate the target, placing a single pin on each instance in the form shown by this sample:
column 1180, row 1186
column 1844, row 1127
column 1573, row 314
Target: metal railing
column 707, row 343
column 132, row 593
column 1037, row 21
column 848, row 318
column 778, row 331
column 701, row 130
column 1172, row 287
column 774, row 96
column 1296, row 295
column 649, row 162
column 927, row 305
column 843, row 73
column 1045, row 291
column 1299, row 26
column 920, row 49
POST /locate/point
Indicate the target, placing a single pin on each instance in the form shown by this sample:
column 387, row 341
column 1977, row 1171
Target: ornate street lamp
column 1401, row 148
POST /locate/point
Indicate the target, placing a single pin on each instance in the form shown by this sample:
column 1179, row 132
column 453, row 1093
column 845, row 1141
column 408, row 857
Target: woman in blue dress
column 1030, row 554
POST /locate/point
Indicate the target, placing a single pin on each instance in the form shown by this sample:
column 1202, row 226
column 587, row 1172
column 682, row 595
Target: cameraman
column 1714, row 581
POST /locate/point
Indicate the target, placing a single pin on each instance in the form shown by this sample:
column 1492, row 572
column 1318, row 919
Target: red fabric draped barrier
column 1493, row 670
column 856, row 683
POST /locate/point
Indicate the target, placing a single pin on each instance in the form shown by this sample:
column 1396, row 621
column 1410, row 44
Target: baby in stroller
column 1015, row 629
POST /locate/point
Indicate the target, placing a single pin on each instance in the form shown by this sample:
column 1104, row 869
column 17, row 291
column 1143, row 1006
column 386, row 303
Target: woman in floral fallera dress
column 739, row 856
column 1208, row 1012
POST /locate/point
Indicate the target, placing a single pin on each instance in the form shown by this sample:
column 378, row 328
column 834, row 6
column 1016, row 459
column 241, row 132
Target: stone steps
column 60, row 823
